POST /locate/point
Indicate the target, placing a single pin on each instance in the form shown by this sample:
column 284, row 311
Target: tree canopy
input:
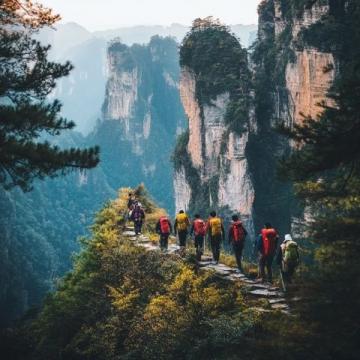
column 325, row 167
column 27, row 117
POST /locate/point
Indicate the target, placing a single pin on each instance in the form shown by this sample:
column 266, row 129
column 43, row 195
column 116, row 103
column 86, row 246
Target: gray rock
column 128, row 233
column 277, row 301
column 265, row 293
column 280, row 307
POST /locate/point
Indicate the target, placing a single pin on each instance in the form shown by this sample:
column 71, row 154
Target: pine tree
column 326, row 170
column 27, row 117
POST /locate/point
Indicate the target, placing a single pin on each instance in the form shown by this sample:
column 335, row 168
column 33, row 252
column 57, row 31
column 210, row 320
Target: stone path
column 253, row 289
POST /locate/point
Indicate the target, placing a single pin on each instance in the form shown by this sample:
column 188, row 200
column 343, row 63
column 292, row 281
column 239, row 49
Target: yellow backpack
column 182, row 222
column 215, row 226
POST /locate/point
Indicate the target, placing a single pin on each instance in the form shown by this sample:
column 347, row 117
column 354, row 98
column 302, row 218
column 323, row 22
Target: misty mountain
column 83, row 92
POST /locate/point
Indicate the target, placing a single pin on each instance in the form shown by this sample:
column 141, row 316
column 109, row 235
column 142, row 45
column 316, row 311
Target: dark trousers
column 238, row 250
column 199, row 245
column 215, row 241
column 182, row 237
column 289, row 273
column 138, row 226
column 164, row 240
column 266, row 262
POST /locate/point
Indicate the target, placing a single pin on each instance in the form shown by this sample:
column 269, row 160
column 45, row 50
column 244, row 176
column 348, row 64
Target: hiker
column 131, row 201
column 138, row 217
column 237, row 235
column 266, row 246
column 130, row 205
column 288, row 259
column 164, row 229
column 181, row 227
column 215, row 230
column 198, row 228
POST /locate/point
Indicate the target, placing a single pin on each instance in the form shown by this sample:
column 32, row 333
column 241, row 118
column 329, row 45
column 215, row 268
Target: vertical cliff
column 292, row 79
column 142, row 114
column 212, row 169
column 228, row 159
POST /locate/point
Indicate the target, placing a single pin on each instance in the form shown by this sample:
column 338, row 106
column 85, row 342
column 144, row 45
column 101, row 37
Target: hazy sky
column 104, row 14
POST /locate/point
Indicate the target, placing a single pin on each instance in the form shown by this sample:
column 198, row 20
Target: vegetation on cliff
column 122, row 302
column 220, row 65
column 39, row 228
column 326, row 172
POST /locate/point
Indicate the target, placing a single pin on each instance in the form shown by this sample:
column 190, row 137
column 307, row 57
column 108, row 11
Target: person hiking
column 130, row 206
column 164, row 229
column 181, row 227
column 131, row 201
column 266, row 246
column 288, row 259
column 237, row 234
column 216, row 233
column 198, row 228
column 138, row 217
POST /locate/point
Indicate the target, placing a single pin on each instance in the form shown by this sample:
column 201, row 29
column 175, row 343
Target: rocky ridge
column 273, row 295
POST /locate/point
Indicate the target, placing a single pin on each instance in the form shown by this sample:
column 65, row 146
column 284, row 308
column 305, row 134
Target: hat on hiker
column 288, row 237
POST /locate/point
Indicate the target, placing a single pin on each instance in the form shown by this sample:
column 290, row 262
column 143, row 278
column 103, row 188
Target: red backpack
column 269, row 237
column 199, row 227
column 164, row 225
column 238, row 232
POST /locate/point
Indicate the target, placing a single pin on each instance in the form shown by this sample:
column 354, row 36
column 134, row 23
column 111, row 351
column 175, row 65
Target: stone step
column 143, row 239
column 248, row 281
column 237, row 277
column 223, row 273
column 222, row 267
column 265, row 293
column 261, row 310
column 129, row 233
column 280, row 307
column 204, row 263
column 277, row 301
column 258, row 286
column 253, row 287
column 206, row 258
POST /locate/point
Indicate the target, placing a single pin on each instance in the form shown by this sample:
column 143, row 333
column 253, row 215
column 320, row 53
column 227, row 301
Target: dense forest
column 40, row 227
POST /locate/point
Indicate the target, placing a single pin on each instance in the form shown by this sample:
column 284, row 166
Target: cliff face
column 291, row 79
column 310, row 76
column 238, row 165
column 142, row 114
column 216, row 174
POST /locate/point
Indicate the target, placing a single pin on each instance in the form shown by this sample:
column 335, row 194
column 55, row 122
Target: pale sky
column 105, row 14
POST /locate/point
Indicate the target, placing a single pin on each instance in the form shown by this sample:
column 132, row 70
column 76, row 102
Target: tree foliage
column 220, row 65
column 121, row 302
column 27, row 78
column 326, row 170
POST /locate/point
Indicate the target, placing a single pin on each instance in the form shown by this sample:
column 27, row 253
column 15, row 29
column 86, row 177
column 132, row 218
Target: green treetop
column 27, row 77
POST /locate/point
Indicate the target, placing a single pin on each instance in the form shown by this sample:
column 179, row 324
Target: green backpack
column 291, row 253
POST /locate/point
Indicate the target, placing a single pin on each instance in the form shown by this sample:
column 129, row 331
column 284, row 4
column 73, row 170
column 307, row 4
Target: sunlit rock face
column 182, row 191
column 217, row 154
column 302, row 80
column 193, row 112
column 309, row 78
column 238, row 168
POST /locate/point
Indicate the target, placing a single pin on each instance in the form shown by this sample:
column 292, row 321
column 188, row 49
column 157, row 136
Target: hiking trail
column 252, row 289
